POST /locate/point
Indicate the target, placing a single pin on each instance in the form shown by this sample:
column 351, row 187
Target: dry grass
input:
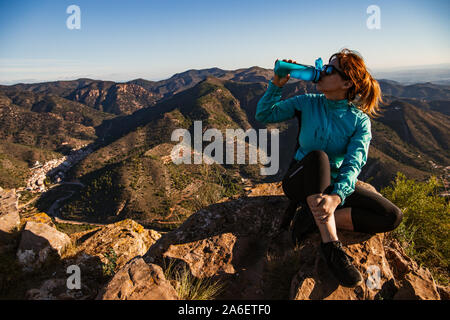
column 189, row 287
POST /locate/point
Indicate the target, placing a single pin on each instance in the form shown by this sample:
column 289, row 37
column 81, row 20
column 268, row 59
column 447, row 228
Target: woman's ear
column 348, row 84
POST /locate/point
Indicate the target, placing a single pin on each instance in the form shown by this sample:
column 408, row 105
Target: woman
column 333, row 147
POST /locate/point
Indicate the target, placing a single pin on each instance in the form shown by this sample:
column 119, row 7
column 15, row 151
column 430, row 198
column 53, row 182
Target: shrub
column 424, row 230
column 109, row 267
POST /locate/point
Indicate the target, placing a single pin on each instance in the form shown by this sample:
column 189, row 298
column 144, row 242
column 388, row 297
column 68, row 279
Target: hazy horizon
column 379, row 74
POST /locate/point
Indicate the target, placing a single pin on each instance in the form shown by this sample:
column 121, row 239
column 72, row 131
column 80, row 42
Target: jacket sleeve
column 271, row 108
column 354, row 160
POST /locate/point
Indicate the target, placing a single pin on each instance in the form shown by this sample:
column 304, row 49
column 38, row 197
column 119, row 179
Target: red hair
column 365, row 92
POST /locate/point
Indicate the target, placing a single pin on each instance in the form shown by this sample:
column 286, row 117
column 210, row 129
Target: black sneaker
column 340, row 264
column 302, row 225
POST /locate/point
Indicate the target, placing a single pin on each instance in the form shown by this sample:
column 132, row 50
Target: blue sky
column 124, row 40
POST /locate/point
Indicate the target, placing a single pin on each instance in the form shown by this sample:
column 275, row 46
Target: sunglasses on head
column 329, row 69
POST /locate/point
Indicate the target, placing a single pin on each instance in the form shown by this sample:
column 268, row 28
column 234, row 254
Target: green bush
column 424, row 230
column 109, row 267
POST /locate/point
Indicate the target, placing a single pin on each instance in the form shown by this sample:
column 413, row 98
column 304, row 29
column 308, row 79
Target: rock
column 127, row 238
column 400, row 263
column 9, row 211
column 412, row 281
column 38, row 243
column 225, row 242
column 417, row 284
column 96, row 260
column 40, row 217
column 274, row 188
column 207, row 257
column 138, row 280
column 56, row 289
column 444, row 292
column 315, row 282
column 238, row 243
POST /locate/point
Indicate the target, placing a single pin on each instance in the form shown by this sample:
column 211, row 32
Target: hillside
column 425, row 130
column 40, row 127
column 129, row 173
column 146, row 185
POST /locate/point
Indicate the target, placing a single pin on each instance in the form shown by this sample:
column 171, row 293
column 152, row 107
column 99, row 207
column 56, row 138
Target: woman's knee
column 397, row 217
column 319, row 155
column 319, row 159
column 368, row 221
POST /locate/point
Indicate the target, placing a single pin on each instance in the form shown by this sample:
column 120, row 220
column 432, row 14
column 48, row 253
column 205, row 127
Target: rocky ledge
column 235, row 243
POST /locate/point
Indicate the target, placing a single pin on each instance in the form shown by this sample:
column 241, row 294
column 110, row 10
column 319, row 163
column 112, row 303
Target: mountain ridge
column 138, row 180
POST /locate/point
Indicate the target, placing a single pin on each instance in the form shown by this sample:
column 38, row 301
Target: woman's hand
column 282, row 81
column 323, row 206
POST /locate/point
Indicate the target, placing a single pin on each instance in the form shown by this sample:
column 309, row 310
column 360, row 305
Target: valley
column 99, row 151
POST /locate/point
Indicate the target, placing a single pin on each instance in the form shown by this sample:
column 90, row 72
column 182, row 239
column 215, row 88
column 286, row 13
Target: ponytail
column 366, row 91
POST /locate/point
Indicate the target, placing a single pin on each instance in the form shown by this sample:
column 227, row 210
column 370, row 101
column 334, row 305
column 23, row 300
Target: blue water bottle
column 299, row 71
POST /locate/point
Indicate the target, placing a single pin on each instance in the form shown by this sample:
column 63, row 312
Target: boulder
column 138, row 280
column 40, row 217
column 417, row 285
column 413, row 281
column 56, row 289
column 225, row 242
column 444, row 292
column 125, row 239
column 314, row 281
column 38, row 243
column 99, row 252
column 9, row 212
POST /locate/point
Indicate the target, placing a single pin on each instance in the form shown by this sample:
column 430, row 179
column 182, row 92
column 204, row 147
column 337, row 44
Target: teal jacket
column 337, row 127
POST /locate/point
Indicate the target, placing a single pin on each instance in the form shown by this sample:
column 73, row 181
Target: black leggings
column 371, row 212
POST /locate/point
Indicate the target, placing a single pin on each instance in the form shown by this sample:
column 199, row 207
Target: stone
column 9, row 211
column 444, row 292
column 226, row 242
column 127, row 238
column 417, row 285
column 56, row 289
column 412, row 281
column 138, row 280
column 314, row 280
column 38, row 243
column 274, row 188
column 40, row 217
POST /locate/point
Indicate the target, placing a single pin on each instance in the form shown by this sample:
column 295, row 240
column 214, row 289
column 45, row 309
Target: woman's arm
column 355, row 159
column 271, row 108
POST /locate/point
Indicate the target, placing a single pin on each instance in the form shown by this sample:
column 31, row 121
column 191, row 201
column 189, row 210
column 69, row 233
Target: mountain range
column 128, row 127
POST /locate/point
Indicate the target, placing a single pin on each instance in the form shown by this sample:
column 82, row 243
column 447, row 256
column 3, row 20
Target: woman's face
column 332, row 85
